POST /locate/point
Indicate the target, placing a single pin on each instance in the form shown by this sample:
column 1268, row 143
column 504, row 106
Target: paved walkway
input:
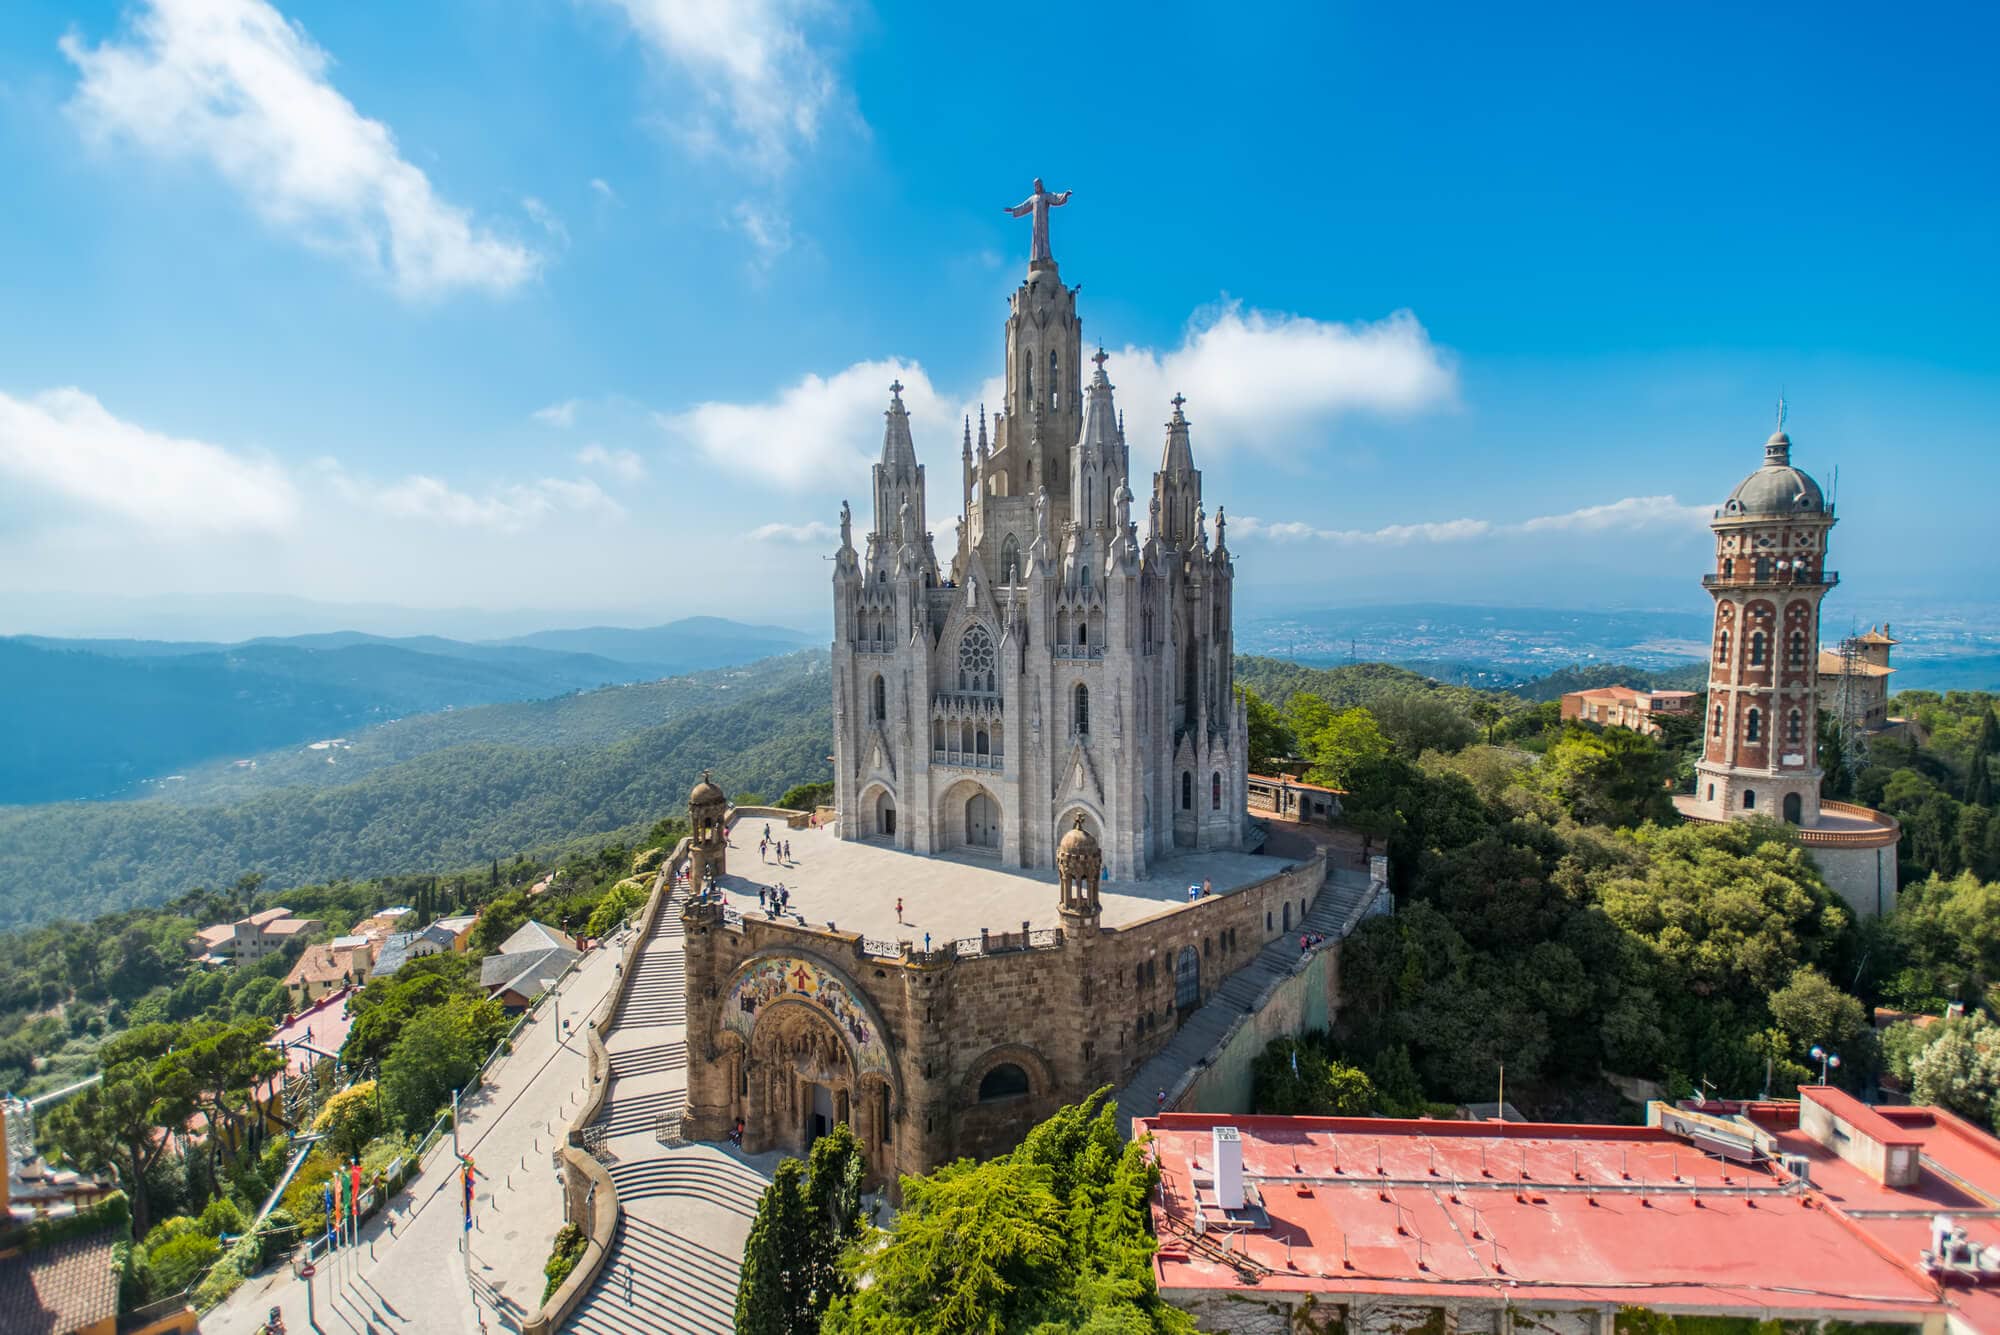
column 856, row 884
column 685, row 1209
column 409, row 1274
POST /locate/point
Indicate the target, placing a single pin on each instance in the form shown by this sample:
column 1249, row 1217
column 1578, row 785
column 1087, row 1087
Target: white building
column 1057, row 665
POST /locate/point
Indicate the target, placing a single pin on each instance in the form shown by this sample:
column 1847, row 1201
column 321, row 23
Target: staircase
column 658, row 992
column 701, row 1175
column 1332, row 915
column 658, row 1282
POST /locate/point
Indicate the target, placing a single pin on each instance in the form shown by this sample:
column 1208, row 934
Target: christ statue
column 1039, row 204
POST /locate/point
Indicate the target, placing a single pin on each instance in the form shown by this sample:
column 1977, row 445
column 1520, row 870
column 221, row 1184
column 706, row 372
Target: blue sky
column 590, row 306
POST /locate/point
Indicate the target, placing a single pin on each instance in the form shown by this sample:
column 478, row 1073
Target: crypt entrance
column 804, row 1052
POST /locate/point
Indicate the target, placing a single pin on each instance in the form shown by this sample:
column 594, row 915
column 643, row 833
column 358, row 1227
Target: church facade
column 1051, row 665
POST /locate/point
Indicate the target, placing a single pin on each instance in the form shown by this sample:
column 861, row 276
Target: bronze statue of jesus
column 1039, row 204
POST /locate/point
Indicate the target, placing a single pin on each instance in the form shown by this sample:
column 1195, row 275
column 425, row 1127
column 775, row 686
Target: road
column 409, row 1274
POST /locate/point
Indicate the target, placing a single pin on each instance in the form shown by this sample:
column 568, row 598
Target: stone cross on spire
column 1100, row 358
column 896, row 387
column 1177, row 400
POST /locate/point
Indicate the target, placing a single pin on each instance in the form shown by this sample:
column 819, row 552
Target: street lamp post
column 1827, row 1059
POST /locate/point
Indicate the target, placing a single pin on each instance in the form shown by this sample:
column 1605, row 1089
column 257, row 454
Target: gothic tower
column 1761, row 753
column 1058, row 671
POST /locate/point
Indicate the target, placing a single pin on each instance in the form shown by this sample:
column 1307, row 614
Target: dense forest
column 502, row 779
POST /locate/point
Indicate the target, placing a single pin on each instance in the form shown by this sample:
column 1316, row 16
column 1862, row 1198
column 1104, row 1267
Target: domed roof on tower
column 706, row 793
column 1777, row 488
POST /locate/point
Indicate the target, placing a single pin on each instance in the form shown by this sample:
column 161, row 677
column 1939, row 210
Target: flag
column 354, row 1187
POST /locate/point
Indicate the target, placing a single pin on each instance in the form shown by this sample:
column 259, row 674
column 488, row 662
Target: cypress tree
column 774, row 1296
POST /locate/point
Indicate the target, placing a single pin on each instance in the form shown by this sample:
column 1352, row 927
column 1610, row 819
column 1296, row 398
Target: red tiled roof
column 1452, row 1210
column 55, row 1290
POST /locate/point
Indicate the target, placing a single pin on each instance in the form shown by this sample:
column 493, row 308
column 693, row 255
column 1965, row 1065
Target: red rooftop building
column 1824, row 1210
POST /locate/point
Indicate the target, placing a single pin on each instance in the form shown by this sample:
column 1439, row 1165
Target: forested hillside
column 496, row 781
column 95, row 718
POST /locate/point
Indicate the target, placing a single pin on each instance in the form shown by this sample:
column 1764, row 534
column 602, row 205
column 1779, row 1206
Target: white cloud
column 66, row 443
column 603, row 190
column 235, row 83
column 1253, row 379
column 545, row 218
column 1630, row 513
column 510, row 508
column 557, row 414
column 769, row 231
column 802, row 534
column 621, row 464
column 761, row 87
column 820, row 431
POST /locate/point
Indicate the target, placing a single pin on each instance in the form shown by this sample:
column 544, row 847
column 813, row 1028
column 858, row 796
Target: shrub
column 222, row 1217
column 568, row 1250
column 648, row 862
column 219, row 1283
column 176, row 1263
column 279, row 1233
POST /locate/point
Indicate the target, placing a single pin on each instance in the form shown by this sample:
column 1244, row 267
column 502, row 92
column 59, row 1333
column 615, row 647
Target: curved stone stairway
column 1334, row 912
column 684, row 1210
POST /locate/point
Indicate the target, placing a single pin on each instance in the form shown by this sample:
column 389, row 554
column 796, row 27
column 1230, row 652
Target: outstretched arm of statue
column 1023, row 209
column 1054, row 200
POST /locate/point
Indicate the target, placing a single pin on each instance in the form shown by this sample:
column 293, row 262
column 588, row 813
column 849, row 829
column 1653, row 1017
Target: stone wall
column 1266, row 1312
column 1864, row 878
column 1068, row 1011
column 1308, row 1000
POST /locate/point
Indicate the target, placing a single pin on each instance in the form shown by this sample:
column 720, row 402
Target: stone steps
column 717, row 1182
column 649, row 1061
column 1331, row 915
column 627, row 1114
column 656, row 1280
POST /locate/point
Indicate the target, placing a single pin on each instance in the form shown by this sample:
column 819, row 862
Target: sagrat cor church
column 1059, row 666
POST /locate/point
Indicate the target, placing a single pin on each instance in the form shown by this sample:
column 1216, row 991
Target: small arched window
column 1753, row 726
column 1082, row 714
column 1794, row 726
column 1722, row 645
column 1729, row 567
column 1711, row 792
column 1716, row 729
column 1082, row 633
column 1005, row 1081
column 979, row 742
column 881, row 699
column 1010, row 561
column 1187, row 790
column 1215, row 791
column 1756, row 648
column 1798, row 648
column 1749, row 799
column 1083, row 574
column 1055, row 381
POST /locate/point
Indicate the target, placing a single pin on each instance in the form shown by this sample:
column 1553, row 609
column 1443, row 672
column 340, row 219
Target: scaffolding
column 1850, row 713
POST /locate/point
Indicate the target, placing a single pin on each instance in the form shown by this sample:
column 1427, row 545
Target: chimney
column 1228, row 1147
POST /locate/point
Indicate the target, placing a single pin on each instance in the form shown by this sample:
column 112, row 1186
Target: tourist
column 1163, row 1100
column 760, row 896
column 767, row 832
column 788, row 850
column 1207, row 889
column 736, row 1134
column 899, row 910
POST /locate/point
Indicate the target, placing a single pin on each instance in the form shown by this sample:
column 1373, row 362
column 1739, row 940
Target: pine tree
column 1979, row 778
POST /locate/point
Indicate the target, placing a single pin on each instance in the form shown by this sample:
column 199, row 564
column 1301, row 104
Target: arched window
column 1763, row 568
column 965, row 738
column 1711, row 792
column 1082, row 627
column 881, row 699
column 1082, row 713
column 1794, row 807
column 1027, row 383
column 1794, row 726
column 1722, row 645
column 1083, row 574
column 979, row 742
column 1089, row 500
column 1010, row 561
column 1215, row 791
column 1753, row 726
column 1716, row 729
column 976, row 660
column 1729, row 567
column 1756, row 648
column 1005, row 1081
column 1055, row 381
column 1749, row 799
column 937, row 735
column 1798, row 654
column 1187, row 790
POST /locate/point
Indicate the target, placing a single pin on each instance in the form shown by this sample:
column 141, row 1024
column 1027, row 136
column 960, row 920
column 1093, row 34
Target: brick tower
column 1761, row 756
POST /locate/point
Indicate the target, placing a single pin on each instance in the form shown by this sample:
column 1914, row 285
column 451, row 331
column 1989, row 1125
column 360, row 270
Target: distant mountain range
column 89, row 718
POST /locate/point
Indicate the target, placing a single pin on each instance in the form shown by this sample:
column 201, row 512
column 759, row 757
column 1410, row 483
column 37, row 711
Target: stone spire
column 1177, row 486
column 899, row 478
column 1094, row 471
column 898, row 450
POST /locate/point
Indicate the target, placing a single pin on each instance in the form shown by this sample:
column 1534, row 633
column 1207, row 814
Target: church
column 1054, row 665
